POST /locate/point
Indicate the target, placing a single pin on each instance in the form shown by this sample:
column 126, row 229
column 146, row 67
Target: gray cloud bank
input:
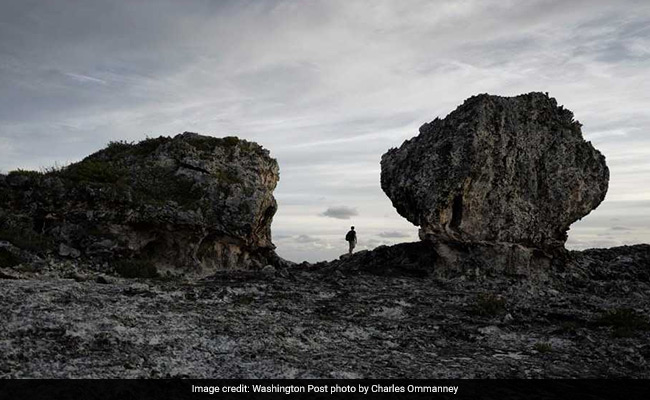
column 327, row 86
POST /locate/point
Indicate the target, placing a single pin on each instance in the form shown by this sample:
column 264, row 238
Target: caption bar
column 324, row 389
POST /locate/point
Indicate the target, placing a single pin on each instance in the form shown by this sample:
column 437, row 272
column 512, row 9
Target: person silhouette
column 351, row 238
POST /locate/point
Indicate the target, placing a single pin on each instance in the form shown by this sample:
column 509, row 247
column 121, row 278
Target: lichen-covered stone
column 190, row 203
column 497, row 169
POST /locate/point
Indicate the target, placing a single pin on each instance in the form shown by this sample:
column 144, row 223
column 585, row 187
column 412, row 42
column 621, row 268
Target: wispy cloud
column 620, row 228
column 85, row 78
column 327, row 86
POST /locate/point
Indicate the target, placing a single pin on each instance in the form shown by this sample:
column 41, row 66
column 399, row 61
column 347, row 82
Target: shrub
column 227, row 177
column 208, row 143
column 25, row 239
column 162, row 183
column 8, row 259
column 149, row 145
column 27, row 173
column 205, row 143
column 625, row 322
column 245, row 300
column 136, row 269
column 94, row 171
column 543, row 347
column 488, row 304
column 231, row 141
column 570, row 327
column 54, row 169
column 115, row 148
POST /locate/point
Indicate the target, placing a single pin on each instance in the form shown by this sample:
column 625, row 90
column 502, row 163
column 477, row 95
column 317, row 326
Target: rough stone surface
column 189, row 204
column 586, row 319
column 497, row 169
column 444, row 259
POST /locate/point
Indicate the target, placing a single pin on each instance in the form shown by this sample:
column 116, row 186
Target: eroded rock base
column 452, row 259
column 336, row 321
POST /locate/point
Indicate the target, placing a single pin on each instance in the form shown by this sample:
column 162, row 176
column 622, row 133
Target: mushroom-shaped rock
column 190, row 203
column 497, row 169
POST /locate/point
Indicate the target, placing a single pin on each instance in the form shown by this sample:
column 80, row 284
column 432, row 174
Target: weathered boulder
column 187, row 204
column 497, row 169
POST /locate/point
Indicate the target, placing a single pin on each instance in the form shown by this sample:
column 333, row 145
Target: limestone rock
column 67, row 251
column 268, row 269
column 497, row 169
column 190, row 203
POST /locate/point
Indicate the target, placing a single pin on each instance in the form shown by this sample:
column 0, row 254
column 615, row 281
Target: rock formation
column 494, row 187
column 190, row 204
column 512, row 170
column 373, row 315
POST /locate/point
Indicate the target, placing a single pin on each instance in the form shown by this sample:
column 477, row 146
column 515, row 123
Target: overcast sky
column 328, row 86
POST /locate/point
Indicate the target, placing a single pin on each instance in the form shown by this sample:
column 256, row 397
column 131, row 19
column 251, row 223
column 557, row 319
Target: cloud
column 85, row 79
column 340, row 212
column 372, row 243
column 393, row 234
column 327, row 87
column 305, row 239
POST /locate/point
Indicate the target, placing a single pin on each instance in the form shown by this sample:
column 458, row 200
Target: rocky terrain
column 489, row 291
column 190, row 204
column 341, row 320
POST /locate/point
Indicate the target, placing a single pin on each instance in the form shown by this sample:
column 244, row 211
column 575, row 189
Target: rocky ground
column 589, row 319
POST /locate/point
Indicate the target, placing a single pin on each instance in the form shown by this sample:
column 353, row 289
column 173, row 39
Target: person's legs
column 351, row 242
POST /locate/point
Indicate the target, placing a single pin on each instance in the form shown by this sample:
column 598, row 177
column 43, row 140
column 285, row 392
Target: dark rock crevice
column 456, row 212
column 182, row 164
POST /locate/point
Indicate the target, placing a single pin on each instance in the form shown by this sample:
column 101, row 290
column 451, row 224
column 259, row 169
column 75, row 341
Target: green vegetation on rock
column 625, row 322
column 159, row 185
column 543, row 347
column 114, row 202
column 26, row 173
column 489, row 305
column 8, row 259
column 25, row 239
column 93, row 171
column 136, row 269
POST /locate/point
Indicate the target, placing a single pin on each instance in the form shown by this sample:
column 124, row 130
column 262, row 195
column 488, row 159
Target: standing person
column 351, row 237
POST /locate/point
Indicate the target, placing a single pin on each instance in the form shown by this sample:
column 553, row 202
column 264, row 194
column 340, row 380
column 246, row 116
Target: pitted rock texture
column 497, row 169
column 348, row 319
column 190, row 203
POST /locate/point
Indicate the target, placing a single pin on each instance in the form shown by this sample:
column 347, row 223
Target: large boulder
column 188, row 204
column 497, row 169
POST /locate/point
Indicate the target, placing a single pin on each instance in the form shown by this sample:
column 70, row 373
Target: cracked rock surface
column 587, row 318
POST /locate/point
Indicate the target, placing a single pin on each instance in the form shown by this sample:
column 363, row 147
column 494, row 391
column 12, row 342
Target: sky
column 327, row 86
